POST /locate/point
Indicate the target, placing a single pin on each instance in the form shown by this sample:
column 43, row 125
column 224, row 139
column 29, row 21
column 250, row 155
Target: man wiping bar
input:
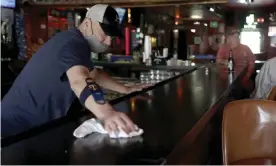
column 61, row 70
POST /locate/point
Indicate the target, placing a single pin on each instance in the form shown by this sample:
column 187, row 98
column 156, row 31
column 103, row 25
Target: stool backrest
column 272, row 94
column 249, row 130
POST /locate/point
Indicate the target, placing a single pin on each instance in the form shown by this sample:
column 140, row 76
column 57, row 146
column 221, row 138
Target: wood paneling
column 38, row 19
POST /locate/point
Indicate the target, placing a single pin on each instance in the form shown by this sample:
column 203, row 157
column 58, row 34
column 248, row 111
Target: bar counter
column 133, row 67
column 174, row 117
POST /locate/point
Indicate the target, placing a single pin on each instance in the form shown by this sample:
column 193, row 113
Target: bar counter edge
column 83, row 112
column 196, row 146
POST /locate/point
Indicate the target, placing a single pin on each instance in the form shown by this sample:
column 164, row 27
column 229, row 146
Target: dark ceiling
column 162, row 16
column 188, row 12
column 254, row 3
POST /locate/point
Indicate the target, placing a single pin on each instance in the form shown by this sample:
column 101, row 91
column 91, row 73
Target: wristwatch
column 95, row 91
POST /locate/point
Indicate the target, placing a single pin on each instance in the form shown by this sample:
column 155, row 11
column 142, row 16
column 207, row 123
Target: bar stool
column 272, row 94
column 249, row 132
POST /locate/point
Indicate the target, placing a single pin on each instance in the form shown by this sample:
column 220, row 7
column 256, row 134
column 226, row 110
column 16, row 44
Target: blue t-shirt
column 42, row 92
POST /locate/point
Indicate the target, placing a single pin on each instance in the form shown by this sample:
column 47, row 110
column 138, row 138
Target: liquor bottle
column 230, row 62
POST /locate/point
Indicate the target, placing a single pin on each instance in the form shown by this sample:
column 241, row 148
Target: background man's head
column 233, row 37
column 100, row 25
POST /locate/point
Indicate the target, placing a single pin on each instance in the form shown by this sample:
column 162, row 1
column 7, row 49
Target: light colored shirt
column 266, row 79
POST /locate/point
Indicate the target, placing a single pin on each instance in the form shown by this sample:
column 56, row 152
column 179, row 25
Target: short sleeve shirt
column 241, row 54
column 42, row 92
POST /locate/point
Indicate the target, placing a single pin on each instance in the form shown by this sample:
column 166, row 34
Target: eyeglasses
column 233, row 33
column 112, row 37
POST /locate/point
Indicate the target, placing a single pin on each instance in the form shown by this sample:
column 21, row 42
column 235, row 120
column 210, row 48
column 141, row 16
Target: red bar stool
column 249, row 133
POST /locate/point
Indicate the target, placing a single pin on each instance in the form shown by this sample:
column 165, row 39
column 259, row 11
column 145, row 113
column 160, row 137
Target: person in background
column 62, row 70
column 241, row 53
column 266, row 79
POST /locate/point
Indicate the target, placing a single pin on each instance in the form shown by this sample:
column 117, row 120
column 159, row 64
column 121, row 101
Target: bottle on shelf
column 230, row 62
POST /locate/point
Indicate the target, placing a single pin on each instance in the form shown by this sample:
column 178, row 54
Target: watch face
column 96, row 91
column 93, row 87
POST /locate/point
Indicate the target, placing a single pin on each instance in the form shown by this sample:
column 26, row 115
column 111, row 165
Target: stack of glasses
column 155, row 76
column 150, row 77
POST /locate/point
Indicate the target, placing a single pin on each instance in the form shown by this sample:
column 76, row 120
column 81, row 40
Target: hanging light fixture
column 128, row 15
column 177, row 14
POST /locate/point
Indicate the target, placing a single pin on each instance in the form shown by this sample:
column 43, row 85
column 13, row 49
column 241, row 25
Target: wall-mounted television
column 121, row 12
column 8, row 3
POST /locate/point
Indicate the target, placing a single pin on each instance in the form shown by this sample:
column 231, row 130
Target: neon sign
column 250, row 20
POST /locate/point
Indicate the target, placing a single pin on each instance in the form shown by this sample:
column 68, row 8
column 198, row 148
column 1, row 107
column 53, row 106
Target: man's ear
column 92, row 25
column 86, row 23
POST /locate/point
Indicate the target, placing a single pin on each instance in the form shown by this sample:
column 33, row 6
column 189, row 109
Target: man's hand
column 107, row 82
column 136, row 88
column 114, row 120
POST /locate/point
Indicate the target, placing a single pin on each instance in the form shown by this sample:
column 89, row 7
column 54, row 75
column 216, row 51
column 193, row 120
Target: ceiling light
column 197, row 23
column 205, row 24
column 193, row 30
column 196, row 17
column 260, row 20
column 212, row 9
column 196, row 14
column 242, row 1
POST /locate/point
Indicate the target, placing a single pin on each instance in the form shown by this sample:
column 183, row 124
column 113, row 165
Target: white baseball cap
column 107, row 17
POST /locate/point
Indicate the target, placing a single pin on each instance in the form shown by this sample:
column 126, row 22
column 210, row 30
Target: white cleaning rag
column 93, row 125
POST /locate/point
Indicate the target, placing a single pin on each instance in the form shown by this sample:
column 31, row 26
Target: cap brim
column 111, row 30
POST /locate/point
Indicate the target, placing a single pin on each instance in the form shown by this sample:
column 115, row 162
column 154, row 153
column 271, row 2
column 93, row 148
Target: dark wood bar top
column 171, row 115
